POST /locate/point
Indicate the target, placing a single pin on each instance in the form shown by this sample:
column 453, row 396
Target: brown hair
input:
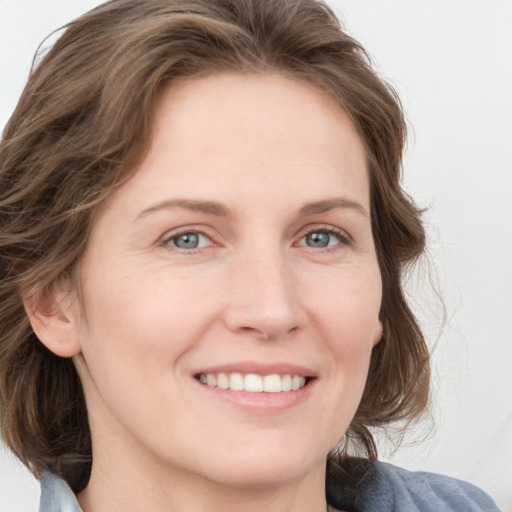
column 84, row 122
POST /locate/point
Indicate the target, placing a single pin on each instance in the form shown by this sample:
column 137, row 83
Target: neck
column 131, row 491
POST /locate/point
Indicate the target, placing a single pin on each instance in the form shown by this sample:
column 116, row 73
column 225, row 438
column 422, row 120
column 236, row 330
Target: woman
column 203, row 238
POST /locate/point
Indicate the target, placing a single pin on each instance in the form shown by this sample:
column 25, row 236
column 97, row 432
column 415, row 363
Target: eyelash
column 166, row 241
column 343, row 237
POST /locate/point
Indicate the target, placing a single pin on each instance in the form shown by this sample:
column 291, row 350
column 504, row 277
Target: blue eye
column 322, row 239
column 190, row 240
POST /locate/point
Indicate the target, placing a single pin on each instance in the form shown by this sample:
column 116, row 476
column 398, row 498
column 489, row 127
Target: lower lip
column 261, row 402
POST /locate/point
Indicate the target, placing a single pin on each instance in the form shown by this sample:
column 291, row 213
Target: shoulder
column 383, row 487
column 56, row 495
column 424, row 491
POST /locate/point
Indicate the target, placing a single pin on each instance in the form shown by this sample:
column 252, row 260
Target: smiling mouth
column 253, row 383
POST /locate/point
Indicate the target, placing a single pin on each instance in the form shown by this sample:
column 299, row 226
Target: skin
column 263, row 147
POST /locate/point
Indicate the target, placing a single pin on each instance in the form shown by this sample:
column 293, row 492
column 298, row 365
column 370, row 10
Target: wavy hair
column 82, row 125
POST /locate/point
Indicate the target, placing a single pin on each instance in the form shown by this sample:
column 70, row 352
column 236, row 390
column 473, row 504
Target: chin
column 263, row 469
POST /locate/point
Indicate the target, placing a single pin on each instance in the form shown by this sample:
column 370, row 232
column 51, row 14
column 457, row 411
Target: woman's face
column 240, row 254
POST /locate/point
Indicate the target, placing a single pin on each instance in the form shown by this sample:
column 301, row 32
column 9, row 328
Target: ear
column 55, row 321
column 378, row 334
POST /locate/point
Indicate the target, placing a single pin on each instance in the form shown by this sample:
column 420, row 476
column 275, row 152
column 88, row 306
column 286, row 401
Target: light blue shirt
column 384, row 488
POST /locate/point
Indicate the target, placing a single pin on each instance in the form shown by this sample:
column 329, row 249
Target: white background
column 451, row 62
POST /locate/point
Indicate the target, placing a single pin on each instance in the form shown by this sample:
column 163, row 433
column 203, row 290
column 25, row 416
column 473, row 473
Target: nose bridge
column 264, row 298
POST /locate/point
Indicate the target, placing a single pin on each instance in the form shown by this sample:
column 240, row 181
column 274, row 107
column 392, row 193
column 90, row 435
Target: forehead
column 221, row 110
column 258, row 132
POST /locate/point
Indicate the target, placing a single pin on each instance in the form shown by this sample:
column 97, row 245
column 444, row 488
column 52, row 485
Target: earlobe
column 54, row 321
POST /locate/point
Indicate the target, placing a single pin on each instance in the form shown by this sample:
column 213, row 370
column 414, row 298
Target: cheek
column 347, row 314
column 348, row 308
column 140, row 317
column 138, row 330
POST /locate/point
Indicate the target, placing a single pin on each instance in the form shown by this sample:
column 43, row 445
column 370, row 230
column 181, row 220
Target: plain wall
column 451, row 63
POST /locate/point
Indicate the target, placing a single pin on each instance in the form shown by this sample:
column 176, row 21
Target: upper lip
column 246, row 367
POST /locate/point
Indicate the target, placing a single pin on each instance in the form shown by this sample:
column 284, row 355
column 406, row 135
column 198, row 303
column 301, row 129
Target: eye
column 188, row 240
column 324, row 238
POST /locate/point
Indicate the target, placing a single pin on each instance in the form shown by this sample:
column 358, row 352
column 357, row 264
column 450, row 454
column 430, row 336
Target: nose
column 263, row 298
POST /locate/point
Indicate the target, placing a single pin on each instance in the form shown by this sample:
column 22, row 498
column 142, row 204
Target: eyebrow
column 218, row 209
column 208, row 207
column 331, row 204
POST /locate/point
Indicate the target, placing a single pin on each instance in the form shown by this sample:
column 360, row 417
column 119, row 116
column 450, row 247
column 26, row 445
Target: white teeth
column 298, row 382
column 236, row 382
column 222, row 381
column 253, row 382
column 272, row 384
column 286, row 382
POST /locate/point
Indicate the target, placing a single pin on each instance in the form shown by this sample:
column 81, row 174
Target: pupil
column 187, row 241
column 317, row 239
